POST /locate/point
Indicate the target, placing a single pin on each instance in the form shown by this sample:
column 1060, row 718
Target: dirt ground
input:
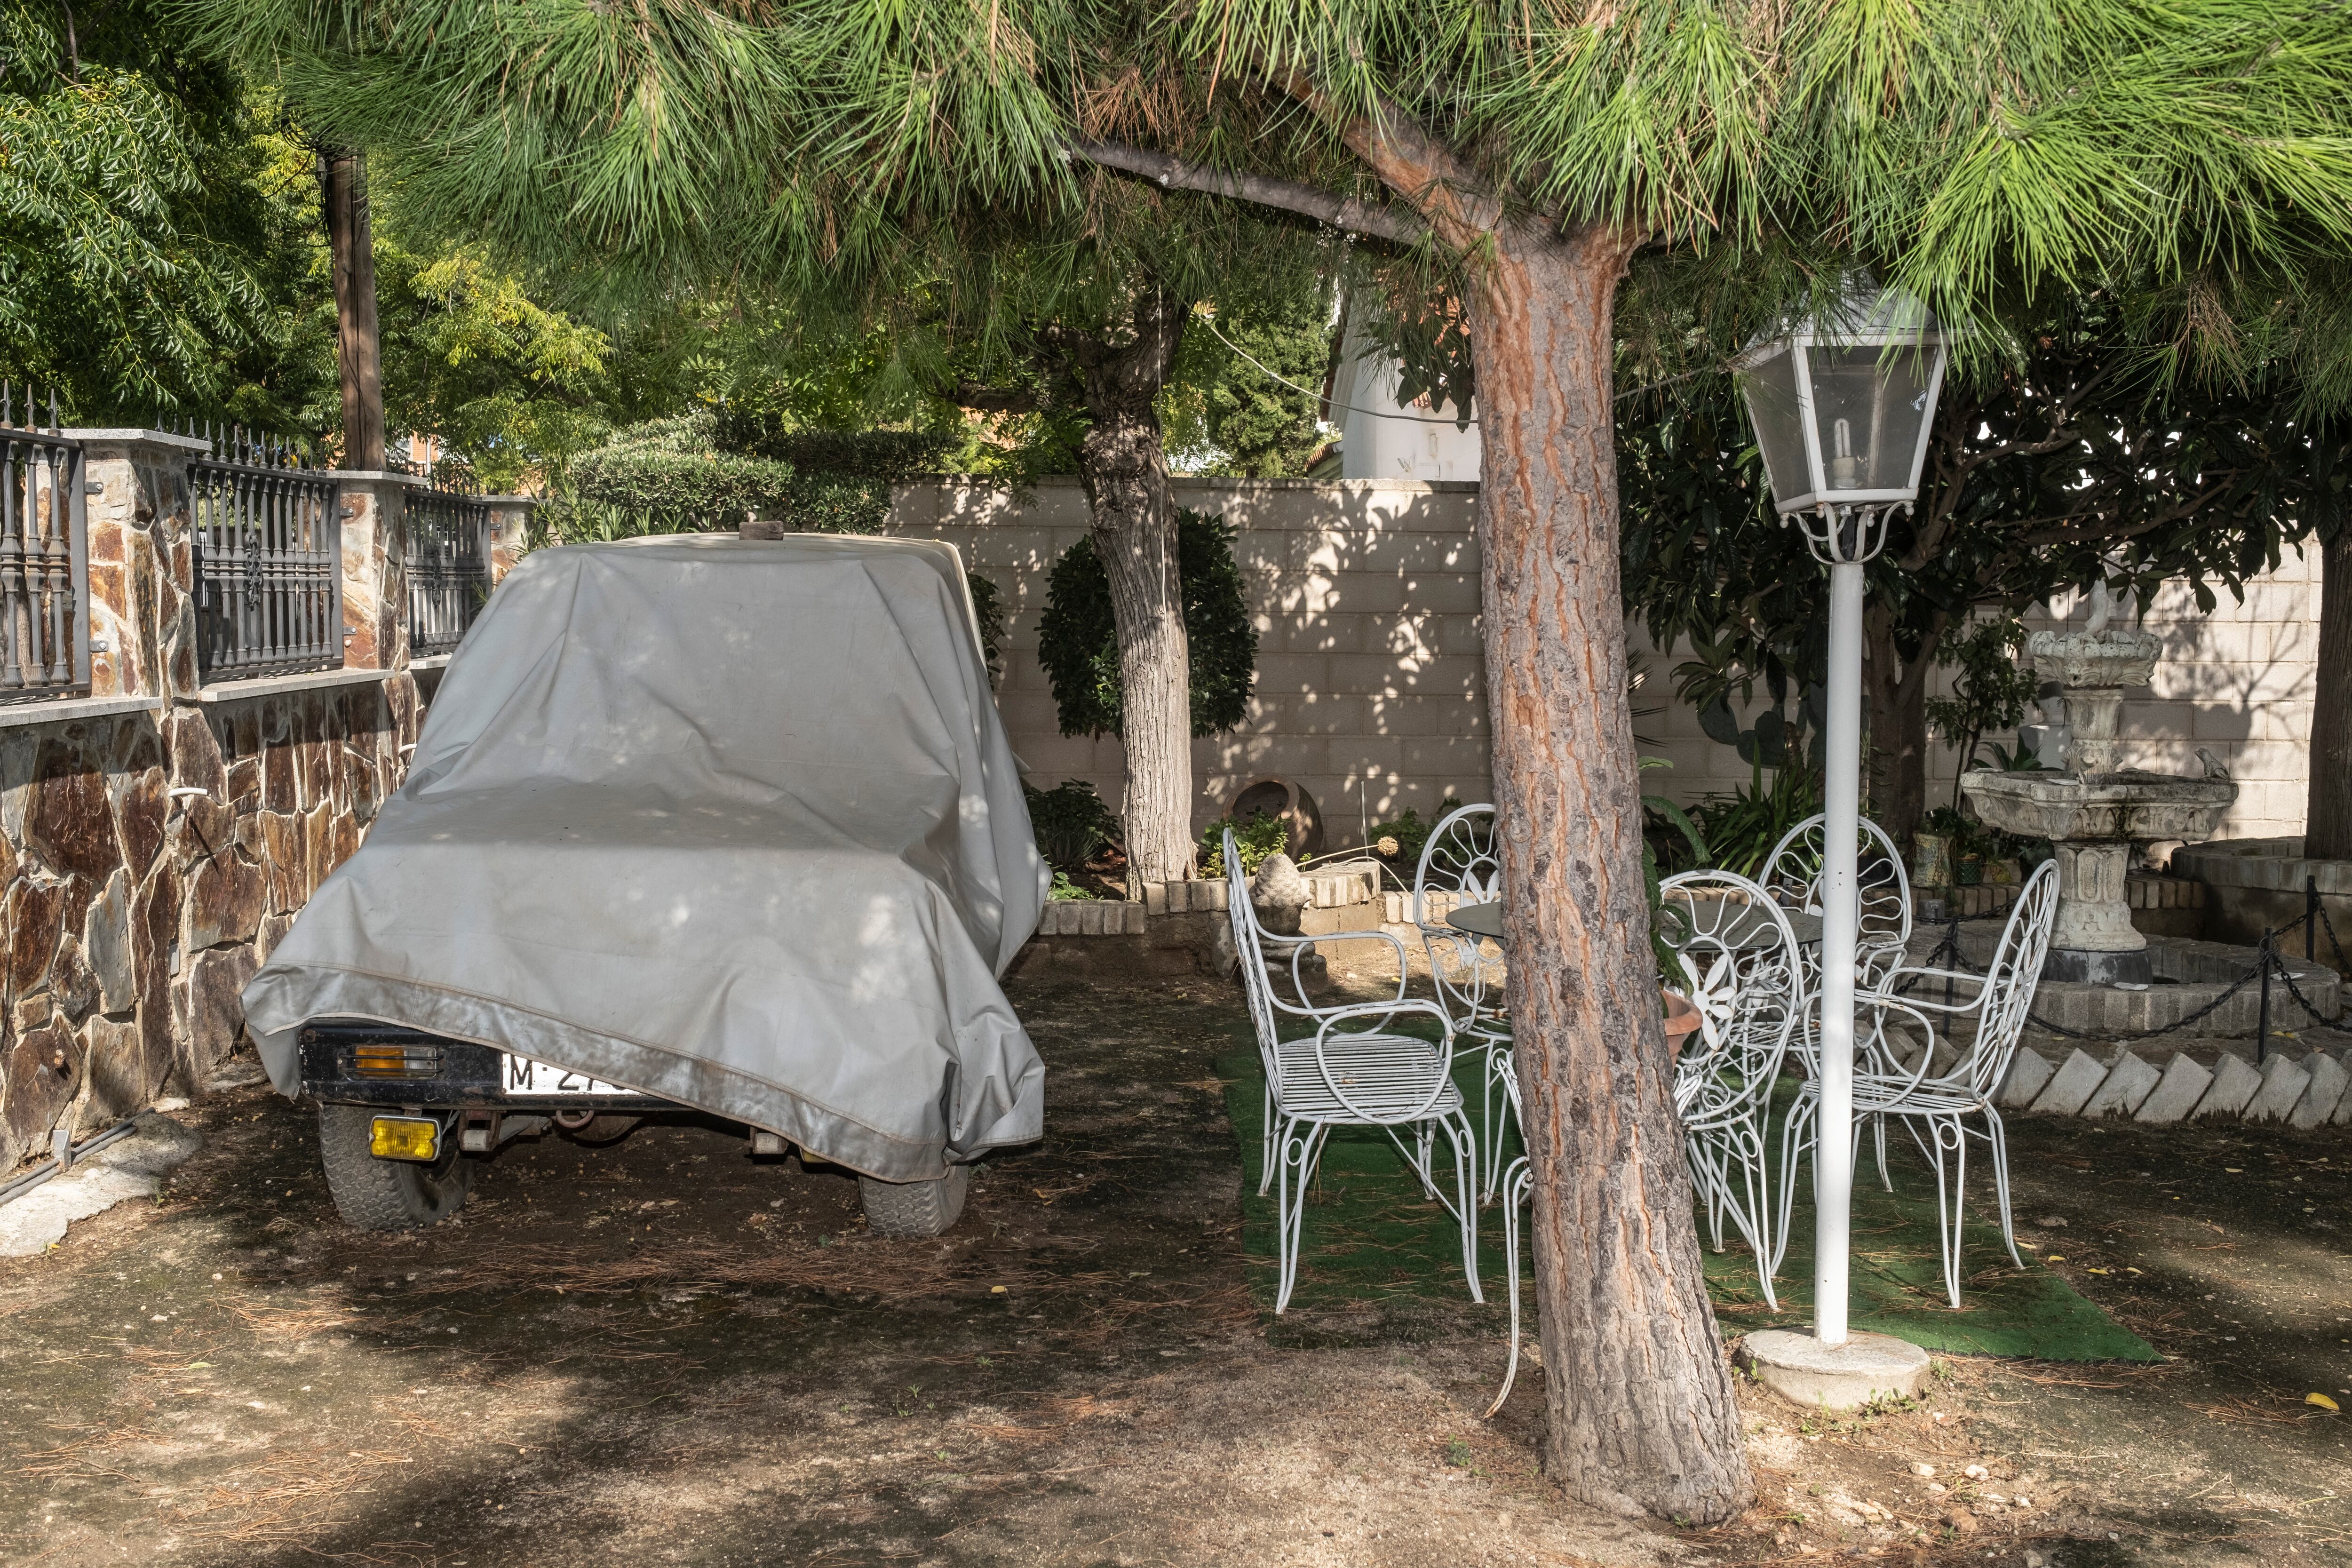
column 660, row 1351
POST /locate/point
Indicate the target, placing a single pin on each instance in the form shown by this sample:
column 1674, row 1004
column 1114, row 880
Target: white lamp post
column 1842, row 403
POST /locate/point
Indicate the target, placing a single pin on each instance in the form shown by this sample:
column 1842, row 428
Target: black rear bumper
column 442, row 1074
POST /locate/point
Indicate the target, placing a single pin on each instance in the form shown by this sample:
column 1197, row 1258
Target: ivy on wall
column 1077, row 641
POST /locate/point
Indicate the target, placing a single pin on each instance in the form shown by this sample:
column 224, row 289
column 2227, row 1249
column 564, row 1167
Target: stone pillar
column 510, row 532
column 141, row 563
column 375, row 576
column 2093, row 940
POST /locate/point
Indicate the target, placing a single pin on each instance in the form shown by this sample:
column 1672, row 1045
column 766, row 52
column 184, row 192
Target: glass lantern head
column 1841, row 401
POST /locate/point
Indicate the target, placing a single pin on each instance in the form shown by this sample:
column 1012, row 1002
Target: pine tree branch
column 1349, row 213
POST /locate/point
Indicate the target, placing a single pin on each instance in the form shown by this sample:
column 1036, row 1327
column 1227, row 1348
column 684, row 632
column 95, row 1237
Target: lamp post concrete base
column 1801, row 1369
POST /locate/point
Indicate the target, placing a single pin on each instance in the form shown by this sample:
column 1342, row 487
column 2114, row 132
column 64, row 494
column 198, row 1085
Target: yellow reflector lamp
column 404, row 1138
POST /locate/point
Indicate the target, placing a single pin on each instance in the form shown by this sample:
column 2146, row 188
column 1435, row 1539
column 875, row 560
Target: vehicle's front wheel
column 387, row 1194
column 914, row 1208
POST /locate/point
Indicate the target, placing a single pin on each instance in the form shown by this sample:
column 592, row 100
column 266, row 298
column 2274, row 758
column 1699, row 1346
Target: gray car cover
column 730, row 822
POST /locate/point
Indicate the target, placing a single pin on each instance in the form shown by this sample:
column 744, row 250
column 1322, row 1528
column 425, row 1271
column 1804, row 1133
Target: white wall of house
column 1372, row 682
column 1379, row 440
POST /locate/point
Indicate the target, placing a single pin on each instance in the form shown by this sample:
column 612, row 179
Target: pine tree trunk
column 1641, row 1407
column 358, row 348
column 2327, row 821
column 1897, row 693
column 1125, row 472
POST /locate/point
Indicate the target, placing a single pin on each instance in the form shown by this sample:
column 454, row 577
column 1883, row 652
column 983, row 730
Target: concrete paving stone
column 2129, row 1081
column 2283, row 1081
column 2235, row 1084
column 2177, row 1093
column 2328, row 1080
column 2071, row 1086
column 2029, row 1072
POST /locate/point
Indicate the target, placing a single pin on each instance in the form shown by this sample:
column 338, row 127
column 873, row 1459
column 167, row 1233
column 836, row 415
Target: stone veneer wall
column 157, row 837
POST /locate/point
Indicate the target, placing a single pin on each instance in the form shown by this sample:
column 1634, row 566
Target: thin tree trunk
column 1125, row 472
column 2327, row 820
column 1641, row 1404
column 358, row 348
column 1898, row 694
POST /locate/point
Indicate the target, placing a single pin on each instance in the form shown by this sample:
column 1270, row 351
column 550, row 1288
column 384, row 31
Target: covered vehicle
column 695, row 821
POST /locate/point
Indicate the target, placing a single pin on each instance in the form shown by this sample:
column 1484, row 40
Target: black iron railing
column 269, row 579
column 44, row 556
column 449, row 560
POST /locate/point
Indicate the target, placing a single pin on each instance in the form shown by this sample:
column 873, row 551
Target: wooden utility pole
column 359, row 354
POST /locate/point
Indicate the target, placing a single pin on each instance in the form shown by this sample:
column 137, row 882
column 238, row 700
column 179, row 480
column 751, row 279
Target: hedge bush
column 709, row 468
column 1077, row 640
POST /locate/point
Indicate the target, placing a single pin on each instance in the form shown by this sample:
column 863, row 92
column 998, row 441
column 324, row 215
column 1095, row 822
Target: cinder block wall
column 1372, row 685
column 1370, row 674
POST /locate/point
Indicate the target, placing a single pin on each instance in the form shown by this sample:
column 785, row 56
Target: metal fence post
column 2310, row 915
column 2263, row 1015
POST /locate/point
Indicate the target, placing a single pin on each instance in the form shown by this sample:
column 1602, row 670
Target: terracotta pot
column 1681, row 1021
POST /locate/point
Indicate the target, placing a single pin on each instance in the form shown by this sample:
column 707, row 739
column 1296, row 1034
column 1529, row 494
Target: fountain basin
column 2092, row 821
column 2109, row 658
column 2131, row 805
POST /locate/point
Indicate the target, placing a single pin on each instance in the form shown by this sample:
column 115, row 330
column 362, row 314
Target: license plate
column 520, row 1075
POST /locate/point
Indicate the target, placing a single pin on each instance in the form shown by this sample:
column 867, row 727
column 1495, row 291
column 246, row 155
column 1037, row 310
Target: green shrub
column 708, row 468
column 1412, row 835
column 1077, row 640
column 1739, row 829
column 1064, row 890
column 691, row 491
column 1071, row 823
column 1263, row 835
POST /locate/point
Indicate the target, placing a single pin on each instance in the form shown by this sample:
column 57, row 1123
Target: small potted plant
column 1942, row 833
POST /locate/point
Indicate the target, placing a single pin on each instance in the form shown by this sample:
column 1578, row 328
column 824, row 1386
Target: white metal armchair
column 1746, row 977
column 1463, row 864
column 1793, row 873
column 1353, row 1070
column 1516, row 1184
column 1890, row 1080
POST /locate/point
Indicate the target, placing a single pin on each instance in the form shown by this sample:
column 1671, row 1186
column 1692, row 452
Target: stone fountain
column 2091, row 811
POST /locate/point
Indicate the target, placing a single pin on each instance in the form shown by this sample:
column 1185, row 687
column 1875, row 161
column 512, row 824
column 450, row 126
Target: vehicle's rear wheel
column 914, row 1208
column 387, row 1194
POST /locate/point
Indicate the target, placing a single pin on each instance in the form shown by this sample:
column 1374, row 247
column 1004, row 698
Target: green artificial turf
column 1371, row 1236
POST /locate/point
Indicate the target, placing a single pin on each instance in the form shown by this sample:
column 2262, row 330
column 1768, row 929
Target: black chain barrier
column 2268, row 964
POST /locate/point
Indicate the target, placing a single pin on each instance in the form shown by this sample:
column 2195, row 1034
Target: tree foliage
column 150, row 224
column 1079, row 645
column 2084, row 454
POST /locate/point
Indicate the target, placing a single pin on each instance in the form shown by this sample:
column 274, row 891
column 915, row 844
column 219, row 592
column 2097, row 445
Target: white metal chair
column 1516, row 1184
column 1793, row 873
column 1461, row 862
column 1885, row 1084
column 1353, row 1071
column 1747, row 978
